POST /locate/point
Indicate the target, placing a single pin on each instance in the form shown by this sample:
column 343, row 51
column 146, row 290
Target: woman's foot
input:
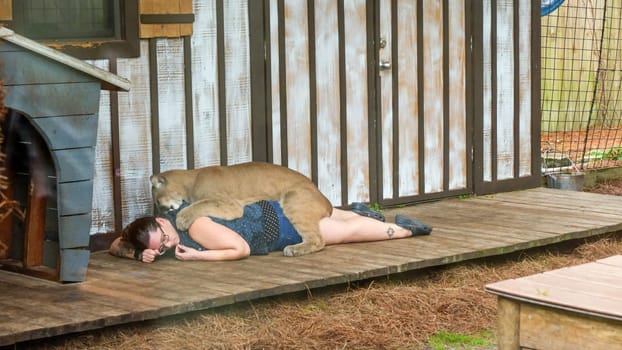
column 364, row 210
column 418, row 228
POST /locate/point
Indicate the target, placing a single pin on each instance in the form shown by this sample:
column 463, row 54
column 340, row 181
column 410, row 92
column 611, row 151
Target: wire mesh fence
column 581, row 55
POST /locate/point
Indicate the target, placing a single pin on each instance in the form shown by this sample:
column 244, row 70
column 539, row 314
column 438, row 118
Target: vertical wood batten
column 205, row 85
column 472, row 92
column 283, row 84
column 408, row 114
column 298, row 70
column 457, row 128
column 221, row 80
column 170, row 101
column 155, row 114
column 116, row 154
column 446, row 86
column 357, row 97
column 237, row 83
column 312, row 90
column 374, row 113
column 328, row 103
column 433, row 104
column 259, row 79
column 188, row 103
column 493, row 90
column 343, row 110
column 421, row 101
column 535, row 108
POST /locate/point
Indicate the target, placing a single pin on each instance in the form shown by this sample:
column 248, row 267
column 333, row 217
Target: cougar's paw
column 185, row 218
column 301, row 249
column 291, row 250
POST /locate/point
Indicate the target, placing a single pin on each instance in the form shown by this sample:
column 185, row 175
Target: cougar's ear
column 157, row 181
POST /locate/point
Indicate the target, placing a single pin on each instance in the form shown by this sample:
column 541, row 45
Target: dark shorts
column 287, row 233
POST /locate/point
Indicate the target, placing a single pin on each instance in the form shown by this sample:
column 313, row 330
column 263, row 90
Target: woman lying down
column 263, row 228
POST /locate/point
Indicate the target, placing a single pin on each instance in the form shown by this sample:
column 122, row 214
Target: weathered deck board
column 119, row 291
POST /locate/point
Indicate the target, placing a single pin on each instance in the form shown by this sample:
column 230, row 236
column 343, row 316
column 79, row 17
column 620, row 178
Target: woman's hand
column 149, row 255
column 185, row 253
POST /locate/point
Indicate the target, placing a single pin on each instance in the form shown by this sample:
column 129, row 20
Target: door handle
column 385, row 65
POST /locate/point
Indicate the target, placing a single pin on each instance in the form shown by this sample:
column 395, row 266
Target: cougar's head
column 167, row 195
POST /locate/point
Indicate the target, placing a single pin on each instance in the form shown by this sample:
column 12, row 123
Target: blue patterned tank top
column 263, row 226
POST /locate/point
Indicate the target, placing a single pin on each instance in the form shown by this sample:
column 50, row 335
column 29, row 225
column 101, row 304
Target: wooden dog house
column 50, row 135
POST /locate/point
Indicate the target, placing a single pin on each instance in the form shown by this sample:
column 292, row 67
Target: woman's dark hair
column 137, row 232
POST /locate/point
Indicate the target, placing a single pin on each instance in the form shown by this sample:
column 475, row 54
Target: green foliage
column 376, row 207
column 614, row 153
column 447, row 340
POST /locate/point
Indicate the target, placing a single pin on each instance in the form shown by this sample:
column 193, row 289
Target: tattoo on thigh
column 390, row 232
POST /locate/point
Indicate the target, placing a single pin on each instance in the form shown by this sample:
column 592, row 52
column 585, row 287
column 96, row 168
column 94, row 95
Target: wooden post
column 508, row 324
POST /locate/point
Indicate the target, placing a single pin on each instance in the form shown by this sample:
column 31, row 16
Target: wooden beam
column 6, row 10
column 165, row 18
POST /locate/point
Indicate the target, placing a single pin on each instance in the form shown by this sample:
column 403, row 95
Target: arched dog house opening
column 29, row 236
column 50, row 135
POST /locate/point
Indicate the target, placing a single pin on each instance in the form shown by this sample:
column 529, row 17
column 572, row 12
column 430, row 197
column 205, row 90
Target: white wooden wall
column 135, row 112
column 135, row 106
column 505, row 91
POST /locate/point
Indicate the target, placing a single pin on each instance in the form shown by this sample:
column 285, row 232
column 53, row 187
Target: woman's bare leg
column 341, row 214
column 348, row 227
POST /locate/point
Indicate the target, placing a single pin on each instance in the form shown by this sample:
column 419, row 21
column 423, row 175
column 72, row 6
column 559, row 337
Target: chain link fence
column 581, row 55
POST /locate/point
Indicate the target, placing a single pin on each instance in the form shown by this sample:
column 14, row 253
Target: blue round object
column 549, row 6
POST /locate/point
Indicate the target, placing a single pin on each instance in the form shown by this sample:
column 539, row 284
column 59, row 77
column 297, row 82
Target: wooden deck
column 119, row 291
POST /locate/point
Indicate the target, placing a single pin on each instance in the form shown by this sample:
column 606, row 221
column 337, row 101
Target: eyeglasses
column 163, row 241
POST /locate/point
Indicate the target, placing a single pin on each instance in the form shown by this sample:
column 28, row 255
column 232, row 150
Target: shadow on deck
column 120, row 291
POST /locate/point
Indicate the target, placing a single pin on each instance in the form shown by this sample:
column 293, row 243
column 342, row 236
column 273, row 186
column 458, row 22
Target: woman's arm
column 124, row 249
column 220, row 242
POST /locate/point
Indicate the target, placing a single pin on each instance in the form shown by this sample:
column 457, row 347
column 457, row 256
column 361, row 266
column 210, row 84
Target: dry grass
column 400, row 312
column 610, row 187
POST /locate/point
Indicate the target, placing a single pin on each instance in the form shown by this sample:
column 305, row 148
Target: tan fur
column 223, row 191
